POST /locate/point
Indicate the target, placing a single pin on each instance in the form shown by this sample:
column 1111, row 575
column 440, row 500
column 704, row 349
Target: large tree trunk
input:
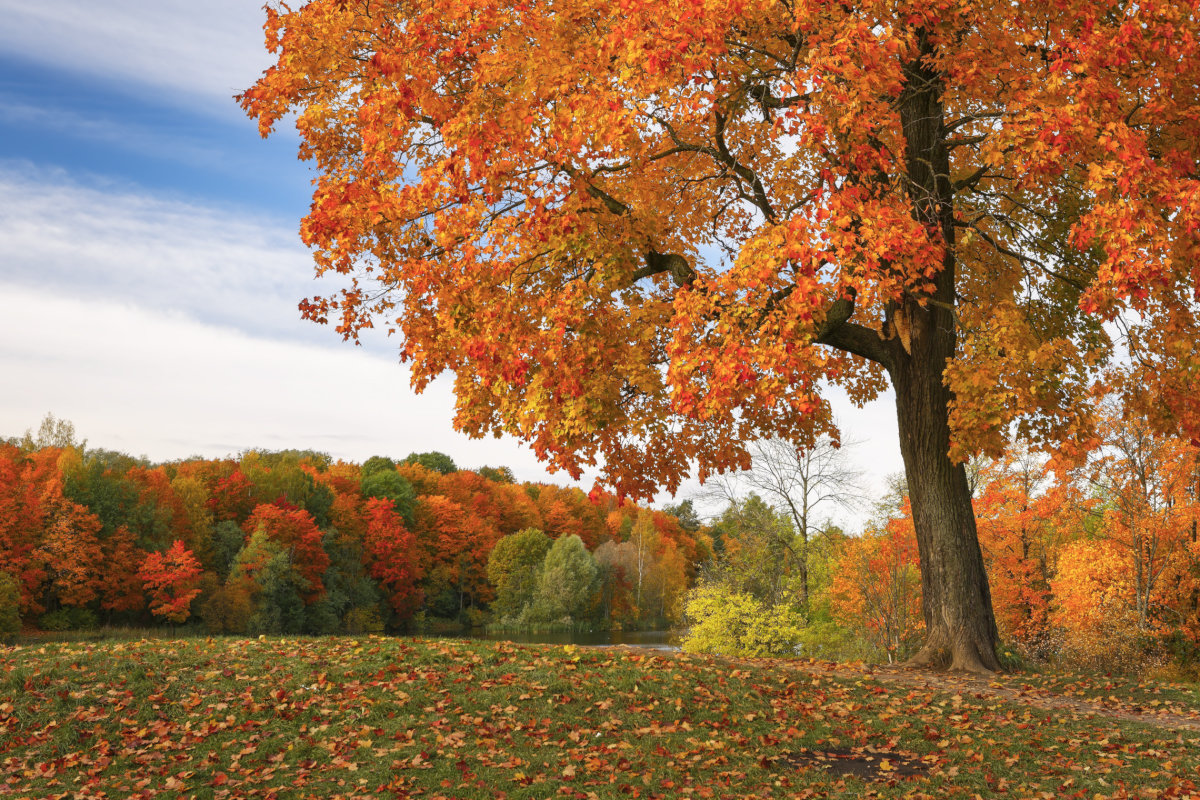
column 960, row 625
column 918, row 339
column 957, row 604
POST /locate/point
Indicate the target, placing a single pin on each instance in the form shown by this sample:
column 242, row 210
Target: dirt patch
column 866, row 764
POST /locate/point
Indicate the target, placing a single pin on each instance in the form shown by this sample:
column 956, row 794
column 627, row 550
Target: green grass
column 407, row 718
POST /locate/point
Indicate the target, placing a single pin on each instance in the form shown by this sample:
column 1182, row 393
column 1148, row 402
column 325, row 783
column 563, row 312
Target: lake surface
column 651, row 640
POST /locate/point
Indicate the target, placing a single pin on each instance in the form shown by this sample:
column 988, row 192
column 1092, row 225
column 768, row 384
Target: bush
column 736, row 624
column 10, row 599
column 228, row 610
column 69, row 619
column 363, row 620
column 475, row 617
column 322, row 618
column 55, row 621
column 1118, row 647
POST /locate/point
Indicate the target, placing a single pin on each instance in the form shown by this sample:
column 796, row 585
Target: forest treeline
column 295, row 542
column 1093, row 561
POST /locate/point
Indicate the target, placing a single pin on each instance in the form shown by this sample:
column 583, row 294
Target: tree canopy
column 645, row 235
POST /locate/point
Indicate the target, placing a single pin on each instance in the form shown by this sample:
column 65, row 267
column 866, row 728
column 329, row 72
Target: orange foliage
column 569, row 512
column 424, row 481
column 294, row 529
column 22, row 523
column 876, row 584
column 70, row 553
column 232, row 497
column 123, row 583
column 173, row 580
column 456, row 546
column 155, row 491
column 1023, row 519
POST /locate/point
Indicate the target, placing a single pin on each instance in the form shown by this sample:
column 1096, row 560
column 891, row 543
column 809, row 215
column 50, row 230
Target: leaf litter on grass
column 383, row 717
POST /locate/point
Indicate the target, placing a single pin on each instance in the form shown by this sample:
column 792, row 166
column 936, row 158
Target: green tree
column 685, row 512
column 756, row 554
column 514, row 567
column 228, row 539
column 391, row 485
column 567, row 582
column 264, row 571
column 438, row 462
column 279, row 606
column 498, row 474
column 376, row 464
column 283, row 474
column 348, row 587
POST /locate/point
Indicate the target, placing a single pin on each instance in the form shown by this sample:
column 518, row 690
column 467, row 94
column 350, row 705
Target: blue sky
column 150, row 264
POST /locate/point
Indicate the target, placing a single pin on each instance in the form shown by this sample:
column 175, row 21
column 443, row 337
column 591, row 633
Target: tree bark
column 956, row 600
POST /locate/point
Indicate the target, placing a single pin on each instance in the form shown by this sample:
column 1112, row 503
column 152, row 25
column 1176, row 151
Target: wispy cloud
column 107, row 241
column 188, row 51
column 113, row 132
column 160, row 385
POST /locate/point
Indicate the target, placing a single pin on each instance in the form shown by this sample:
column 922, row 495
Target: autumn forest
column 291, row 542
column 1092, row 563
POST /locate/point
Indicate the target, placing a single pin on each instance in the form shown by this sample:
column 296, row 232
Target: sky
column 150, row 263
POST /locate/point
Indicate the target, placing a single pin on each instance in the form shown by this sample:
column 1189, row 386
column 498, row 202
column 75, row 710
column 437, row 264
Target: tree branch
column 837, row 331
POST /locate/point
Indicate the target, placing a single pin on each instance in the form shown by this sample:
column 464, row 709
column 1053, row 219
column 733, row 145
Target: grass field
column 383, row 717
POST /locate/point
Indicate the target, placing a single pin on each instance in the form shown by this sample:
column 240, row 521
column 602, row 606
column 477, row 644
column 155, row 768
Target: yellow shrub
column 737, row 624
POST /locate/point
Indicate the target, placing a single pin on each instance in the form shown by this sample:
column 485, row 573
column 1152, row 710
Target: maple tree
column 296, row 532
column 231, row 498
column 22, row 522
column 173, row 580
column 1025, row 516
column 390, row 552
column 646, row 236
column 70, row 552
column 1147, row 483
column 122, row 589
column 456, row 545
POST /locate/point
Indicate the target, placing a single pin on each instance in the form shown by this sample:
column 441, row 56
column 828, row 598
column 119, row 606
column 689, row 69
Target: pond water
column 652, row 640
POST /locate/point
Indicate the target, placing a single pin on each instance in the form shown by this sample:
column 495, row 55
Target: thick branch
column 657, row 263
column 837, row 331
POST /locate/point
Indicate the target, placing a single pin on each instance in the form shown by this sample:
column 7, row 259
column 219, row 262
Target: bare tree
column 806, row 484
column 51, row 433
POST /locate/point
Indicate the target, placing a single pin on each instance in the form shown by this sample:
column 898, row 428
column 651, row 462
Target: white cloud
column 185, row 51
column 155, row 384
column 107, row 241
